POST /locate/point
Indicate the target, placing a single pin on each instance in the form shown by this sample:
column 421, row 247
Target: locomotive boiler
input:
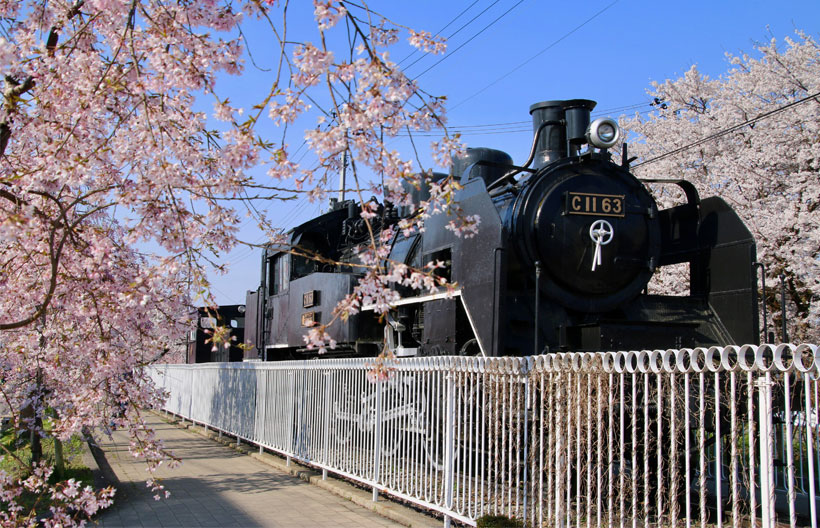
column 567, row 244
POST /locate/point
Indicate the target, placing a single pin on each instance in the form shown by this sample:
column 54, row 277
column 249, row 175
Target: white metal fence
column 652, row 438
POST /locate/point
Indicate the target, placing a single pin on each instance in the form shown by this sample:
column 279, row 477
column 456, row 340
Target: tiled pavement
column 218, row 486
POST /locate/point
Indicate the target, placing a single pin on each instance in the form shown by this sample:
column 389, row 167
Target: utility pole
column 342, row 178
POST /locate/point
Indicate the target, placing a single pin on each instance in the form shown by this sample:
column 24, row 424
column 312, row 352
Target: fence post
column 811, row 417
column 260, row 412
column 192, row 378
column 719, row 454
column 293, row 414
column 326, row 425
column 449, row 446
column 764, row 386
column 377, row 440
column 299, row 395
column 526, row 366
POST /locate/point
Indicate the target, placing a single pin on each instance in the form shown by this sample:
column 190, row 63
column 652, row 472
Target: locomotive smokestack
column 552, row 143
column 568, row 121
column 577, row 115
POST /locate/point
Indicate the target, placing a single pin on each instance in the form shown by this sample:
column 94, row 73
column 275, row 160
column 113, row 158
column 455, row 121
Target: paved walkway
column 218, row 486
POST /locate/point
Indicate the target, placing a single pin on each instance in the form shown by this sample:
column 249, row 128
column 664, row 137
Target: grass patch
column 498, row 521
column 18, row 465
column 20, row 447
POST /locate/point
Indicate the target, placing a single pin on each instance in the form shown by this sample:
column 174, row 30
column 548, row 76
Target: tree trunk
column 59, row 462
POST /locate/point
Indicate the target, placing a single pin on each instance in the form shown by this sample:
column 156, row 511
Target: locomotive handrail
column 487, row 163
column 531, row 156
column 446, row 294
column 688, row 188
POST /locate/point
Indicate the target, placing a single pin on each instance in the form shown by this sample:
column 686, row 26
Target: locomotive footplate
column 620, row 335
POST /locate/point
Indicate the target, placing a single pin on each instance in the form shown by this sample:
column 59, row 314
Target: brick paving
column 217, row 486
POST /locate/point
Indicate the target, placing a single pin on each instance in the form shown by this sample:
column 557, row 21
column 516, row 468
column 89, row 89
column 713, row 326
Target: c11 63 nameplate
column 595, row 204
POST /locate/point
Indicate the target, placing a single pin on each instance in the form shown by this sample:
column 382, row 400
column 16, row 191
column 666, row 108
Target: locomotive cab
column 302, row 283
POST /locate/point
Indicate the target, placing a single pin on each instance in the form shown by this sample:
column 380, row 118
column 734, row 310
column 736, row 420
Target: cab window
column 279, row 273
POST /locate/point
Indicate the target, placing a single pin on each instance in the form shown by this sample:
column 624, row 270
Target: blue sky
column 533, row 50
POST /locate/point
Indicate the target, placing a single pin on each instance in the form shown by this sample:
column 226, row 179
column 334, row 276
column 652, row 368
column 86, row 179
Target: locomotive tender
column 566, row 247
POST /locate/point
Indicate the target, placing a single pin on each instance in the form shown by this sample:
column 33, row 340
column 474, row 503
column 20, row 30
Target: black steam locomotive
column 567, row 245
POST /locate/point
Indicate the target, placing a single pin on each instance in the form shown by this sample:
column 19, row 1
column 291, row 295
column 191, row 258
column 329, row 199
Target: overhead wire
column 554, row 43
column 456, row 32
column 512, row 127
column 496, row 20
column 485, row 28
column 291, row 215
column 519, row 126
column 438, row 33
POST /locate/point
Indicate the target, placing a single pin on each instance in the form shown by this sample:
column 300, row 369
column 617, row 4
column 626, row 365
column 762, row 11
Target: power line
column 287, row 219
column 456, row 32
column 490, row 125
column 446, row 26
column 520, row 130
column 576, row 28
column 470, row 39
column 517, row 126
column 729, row 130
column 605, row 111
column 623, row 109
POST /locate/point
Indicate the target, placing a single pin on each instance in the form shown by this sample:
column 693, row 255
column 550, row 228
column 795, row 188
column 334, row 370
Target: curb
column 95, row 459
column 386, row 508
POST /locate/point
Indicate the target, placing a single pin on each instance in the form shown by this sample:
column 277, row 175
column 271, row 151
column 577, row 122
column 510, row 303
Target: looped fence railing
column 653, row 437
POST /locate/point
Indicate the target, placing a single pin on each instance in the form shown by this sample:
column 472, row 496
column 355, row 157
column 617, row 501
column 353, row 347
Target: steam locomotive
column 567, row 245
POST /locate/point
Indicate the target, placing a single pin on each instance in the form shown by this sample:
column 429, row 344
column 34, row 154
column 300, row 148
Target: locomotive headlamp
column 603, row 132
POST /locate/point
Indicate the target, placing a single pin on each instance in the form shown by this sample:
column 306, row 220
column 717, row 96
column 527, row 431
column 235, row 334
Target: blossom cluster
column 70, row 503
column 328, row 13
